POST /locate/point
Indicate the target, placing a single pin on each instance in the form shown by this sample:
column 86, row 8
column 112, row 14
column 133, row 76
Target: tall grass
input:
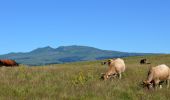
column 79, row 81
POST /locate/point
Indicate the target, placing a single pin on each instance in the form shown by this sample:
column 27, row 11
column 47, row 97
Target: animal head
column 110, row 61
column 106, row 76
column 147, row 84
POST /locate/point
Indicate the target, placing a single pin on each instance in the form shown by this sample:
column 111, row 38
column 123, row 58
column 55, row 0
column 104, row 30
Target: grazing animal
column 8, row 63
column 157, row 75
column 116, row 67
column 144, row 61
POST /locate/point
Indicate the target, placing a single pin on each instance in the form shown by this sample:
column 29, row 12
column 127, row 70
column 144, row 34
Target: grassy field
column 80, row 81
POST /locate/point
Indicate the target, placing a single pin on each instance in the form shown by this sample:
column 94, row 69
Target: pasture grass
column 80, row 81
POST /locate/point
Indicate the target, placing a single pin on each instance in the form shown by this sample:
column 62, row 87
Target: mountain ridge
column 48, row 55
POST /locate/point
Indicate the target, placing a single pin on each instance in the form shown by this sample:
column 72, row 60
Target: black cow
column 144, row 61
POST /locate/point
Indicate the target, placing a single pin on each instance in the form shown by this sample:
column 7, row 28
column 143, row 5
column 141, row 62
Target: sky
column 121, row 25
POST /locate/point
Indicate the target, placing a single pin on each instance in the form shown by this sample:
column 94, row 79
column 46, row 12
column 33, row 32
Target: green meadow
column 80, row 81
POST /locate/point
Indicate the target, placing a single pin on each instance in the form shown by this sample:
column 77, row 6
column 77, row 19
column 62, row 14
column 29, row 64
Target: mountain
column 63, row 54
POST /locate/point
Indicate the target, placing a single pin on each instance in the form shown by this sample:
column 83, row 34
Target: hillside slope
column 80, row 81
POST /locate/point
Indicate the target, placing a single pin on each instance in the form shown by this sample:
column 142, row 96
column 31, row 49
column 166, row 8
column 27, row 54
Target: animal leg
column 160, row 86
column 167, row 83
column 156, row 84
column 119, row 75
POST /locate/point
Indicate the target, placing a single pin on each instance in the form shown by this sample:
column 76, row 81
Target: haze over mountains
column 63, row 54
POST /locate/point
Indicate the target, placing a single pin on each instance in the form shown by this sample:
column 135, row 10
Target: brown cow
column 157, row 75
column 8, row 63
column 116, row 67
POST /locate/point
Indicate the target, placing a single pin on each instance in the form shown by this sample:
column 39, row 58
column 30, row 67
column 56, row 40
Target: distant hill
column 63, row 54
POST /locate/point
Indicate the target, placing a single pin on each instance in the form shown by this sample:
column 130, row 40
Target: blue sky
column 122, row 25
